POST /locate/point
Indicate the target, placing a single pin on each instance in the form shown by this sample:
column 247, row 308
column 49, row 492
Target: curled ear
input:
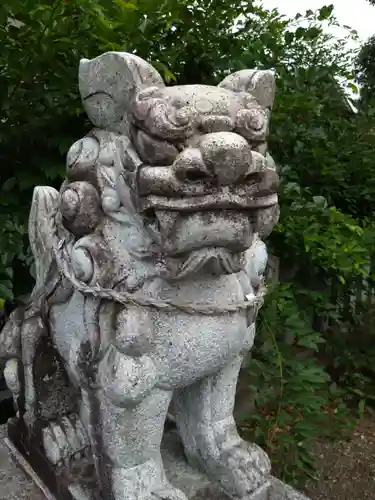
column 108, row 83
column 261, row 84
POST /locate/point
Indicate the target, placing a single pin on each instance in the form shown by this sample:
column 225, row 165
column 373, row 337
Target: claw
column 64, row 440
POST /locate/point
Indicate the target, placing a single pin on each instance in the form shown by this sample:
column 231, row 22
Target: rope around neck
column 64, row 266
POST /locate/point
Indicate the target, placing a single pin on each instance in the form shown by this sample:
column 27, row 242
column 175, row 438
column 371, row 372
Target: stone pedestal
column 14, row 483
column 197, row 486
column 19, row 481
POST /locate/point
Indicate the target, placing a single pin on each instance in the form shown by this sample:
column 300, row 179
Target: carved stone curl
column 149, row 279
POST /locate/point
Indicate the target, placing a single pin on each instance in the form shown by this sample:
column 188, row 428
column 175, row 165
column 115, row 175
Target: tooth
column 166, row 219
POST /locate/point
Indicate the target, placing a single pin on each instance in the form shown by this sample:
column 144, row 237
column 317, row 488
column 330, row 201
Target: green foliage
column 298, row 361
column 365, row 66
column 326, row 242
column 321, row 140
column 295, row 400
column 310, row 340
column 325, row 153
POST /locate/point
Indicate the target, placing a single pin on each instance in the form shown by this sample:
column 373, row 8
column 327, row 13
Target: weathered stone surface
column 189, row 480
column 150, row 266
column 14, row 483
column 197, row 486
column 281, row 491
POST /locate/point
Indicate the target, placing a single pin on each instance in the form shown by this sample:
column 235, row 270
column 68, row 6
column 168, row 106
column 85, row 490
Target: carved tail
column 23, row 329
column 10, row 336
column 40, row 235
column 45, row 200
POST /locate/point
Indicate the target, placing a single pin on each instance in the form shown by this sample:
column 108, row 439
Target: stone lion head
column 189, row 163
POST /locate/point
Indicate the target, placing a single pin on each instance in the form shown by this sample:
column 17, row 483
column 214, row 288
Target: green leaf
column 168, row 76
column 9, row 184
column 6, row 292
column 125, row 5
column 143, row 25
column 325, row 12
column 3, row 15
column 289, row 37
column 320, row 201
column 313, row 32
column 300, row 32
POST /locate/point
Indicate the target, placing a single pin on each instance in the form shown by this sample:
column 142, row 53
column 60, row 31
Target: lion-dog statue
column 149, row 265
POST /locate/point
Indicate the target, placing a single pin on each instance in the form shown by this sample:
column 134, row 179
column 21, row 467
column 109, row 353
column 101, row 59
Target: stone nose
column 189, row 166
column 221, row 157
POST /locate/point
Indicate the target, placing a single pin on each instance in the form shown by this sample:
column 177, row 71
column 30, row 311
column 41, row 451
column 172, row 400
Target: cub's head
column 195, row 158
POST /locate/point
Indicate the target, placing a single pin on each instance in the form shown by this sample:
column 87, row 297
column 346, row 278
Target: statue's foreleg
column 131, row 413
column 204, row 415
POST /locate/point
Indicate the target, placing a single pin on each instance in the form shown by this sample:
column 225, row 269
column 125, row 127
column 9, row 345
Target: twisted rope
column 63, row 263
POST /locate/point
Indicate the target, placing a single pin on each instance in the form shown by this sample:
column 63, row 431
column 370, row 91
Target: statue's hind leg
column 204, row 414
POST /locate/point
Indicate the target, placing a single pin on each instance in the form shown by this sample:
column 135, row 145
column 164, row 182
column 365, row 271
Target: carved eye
column 251, row 119
column 249, row 100
column 154, row 151
column 183, row 116
column 256, row 119
column 215, row 123
column 252, row 124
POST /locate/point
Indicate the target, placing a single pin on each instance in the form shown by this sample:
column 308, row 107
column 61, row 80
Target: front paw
column 241, row 469
column 258, row 457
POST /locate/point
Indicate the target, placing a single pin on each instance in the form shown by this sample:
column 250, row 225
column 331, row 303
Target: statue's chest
column 189, row 346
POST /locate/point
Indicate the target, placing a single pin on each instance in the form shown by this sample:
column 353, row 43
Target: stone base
column 195, row 485
column 14, row 483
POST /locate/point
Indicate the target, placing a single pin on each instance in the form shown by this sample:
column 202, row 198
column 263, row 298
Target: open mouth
column 179, row 232
column 256, row 192
column 219, row 201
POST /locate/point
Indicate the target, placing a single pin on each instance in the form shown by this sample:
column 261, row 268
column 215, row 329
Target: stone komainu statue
column 149, row 277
